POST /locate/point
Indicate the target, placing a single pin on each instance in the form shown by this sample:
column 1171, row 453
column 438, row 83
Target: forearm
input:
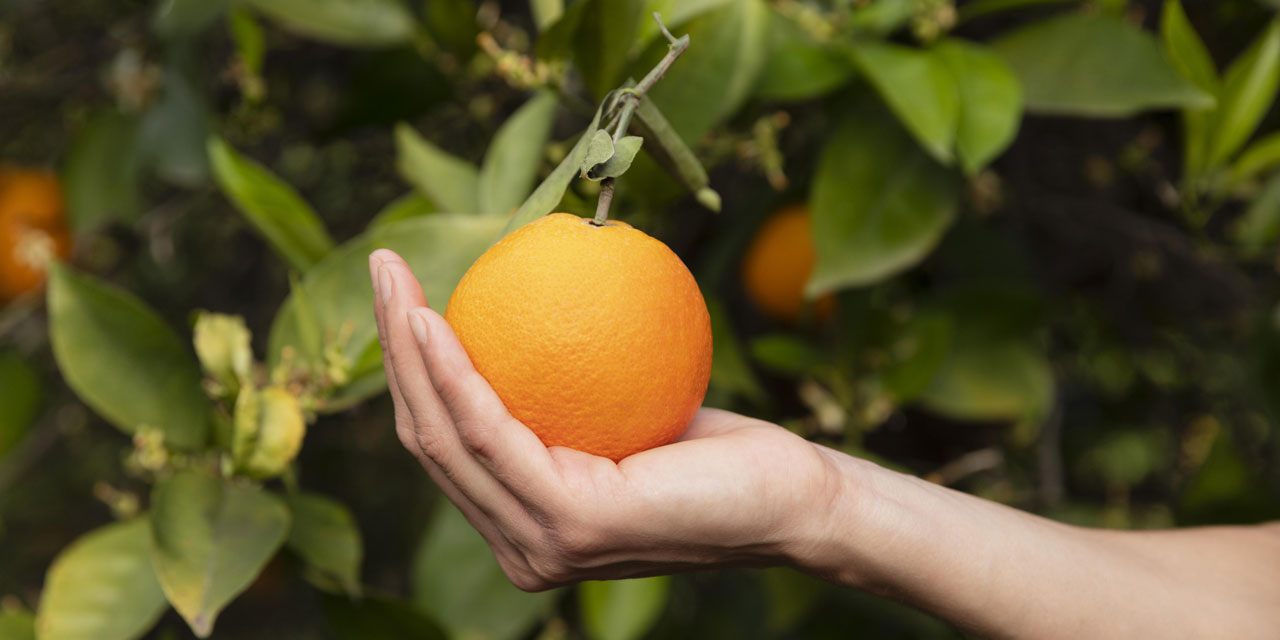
column 1003, row 573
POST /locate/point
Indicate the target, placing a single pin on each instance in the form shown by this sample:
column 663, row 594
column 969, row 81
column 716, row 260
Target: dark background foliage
column 1091, row 336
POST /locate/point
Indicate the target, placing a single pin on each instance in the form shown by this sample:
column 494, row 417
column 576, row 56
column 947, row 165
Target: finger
column 434, row 426
column 405, row 427
column 501, row 443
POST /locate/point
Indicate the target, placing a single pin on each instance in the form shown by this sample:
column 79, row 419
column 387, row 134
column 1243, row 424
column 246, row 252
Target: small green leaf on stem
column 599, row 151
column 623, row 155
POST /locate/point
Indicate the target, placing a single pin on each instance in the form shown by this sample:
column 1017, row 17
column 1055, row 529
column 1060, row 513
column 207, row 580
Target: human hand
column 730, row 491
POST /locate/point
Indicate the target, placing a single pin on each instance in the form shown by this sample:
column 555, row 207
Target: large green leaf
column 356, row 23
column 550, row 192
column 798, row 67
column 511, row 163
column 324, row 534
column 920, row 89
column 448, row 181
column 715, row 76
column 990, row 102
column 622, row 609
column 1095, row 65
column 1248, row 89
column 880, row 204
column 17, row 624
column 439, row 248
column 271, row 206
column 410, row 205
column 100, row 177
column 459, row 583
column 210, row 538
column 23, row 398
column 1185, row 49
column 102, row 587
column 125, row 362
column 604, row 40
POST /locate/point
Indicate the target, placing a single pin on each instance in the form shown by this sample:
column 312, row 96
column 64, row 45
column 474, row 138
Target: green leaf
column 410, row 205
column 1248, row 89
column 546, row 12
column 274, row 209
column 125, row 362
column 17, row 624
column 882, row 17
column 438, row 247
column 557, row 39
column 449, row 182
column 325, row 535
column 353, row 23
column 600, row 150
column 622, row 609
column 798, row 67
column 730, row 371
column 102, row 587
column 604, row 39
column 991, row 381
column 1185, row 49
column 181, row 19
column 670, row 151
column 378, row 618
column 547, row 196
column 990, row 102
column 1094, row 65
column 458, row 582
column 1259, row 227
column 919, row 88
column 1126, row 457
column 1226, row 490
column 210, row 538
column 251, row 42
column 511, row 163
column 23, row 399
column 624, row 153
column 452, row 24
column 787, row 354
column 100, row 177
column 880, row 205
column 716, row 75
column 172, row 135
column 1260, row 156
column 917, row 353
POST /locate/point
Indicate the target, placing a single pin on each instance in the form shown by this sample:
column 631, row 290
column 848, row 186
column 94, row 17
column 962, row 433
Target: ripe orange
column 32, row 229
column 597, row 338
column 777, row 266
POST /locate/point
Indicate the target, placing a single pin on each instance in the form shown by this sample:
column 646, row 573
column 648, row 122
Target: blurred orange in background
column 33, row 229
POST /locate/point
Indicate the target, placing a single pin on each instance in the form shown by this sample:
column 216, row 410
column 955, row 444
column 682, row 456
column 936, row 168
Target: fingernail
column 385, row 283
column 419, row 326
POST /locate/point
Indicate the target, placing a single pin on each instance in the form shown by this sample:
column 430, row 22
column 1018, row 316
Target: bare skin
column 736, row 491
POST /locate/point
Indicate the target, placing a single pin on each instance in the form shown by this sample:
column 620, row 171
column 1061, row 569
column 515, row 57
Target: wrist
column 842, row 520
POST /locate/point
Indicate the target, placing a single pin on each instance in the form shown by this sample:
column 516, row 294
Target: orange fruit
column 597, row 338
column 777, row 266
column 32, row 229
